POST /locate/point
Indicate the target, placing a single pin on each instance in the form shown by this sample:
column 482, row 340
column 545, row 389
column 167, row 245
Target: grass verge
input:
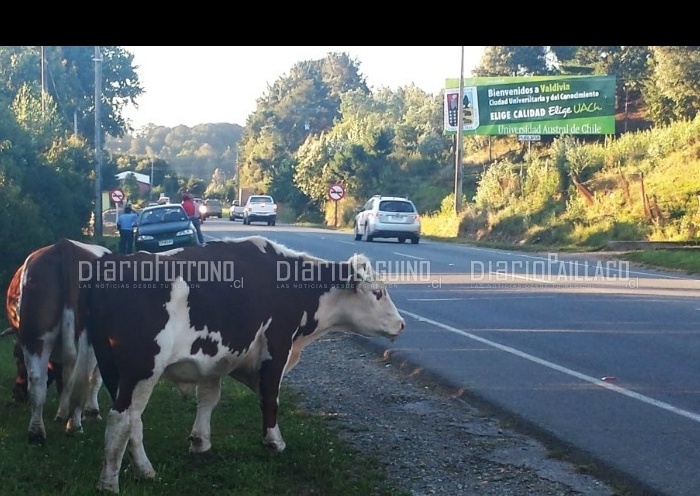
column 683, row 260
column 316, row 461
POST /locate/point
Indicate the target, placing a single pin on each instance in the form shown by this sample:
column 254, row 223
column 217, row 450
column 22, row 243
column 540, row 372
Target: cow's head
column 360, row 303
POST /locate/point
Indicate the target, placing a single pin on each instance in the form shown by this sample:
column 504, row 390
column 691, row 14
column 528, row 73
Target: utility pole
column 150, row 188
column 98, row 142
column 460, row 139
column 43, row 84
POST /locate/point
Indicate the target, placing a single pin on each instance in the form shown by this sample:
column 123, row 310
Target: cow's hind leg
column 92, row 406
column 69, row 356
column 37, row 379
column 125, row 427
column 270, row 379
column 19, row 390
column 208, row 395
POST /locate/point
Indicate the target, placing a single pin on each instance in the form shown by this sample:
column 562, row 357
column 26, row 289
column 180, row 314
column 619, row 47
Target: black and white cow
column 43, row 310
column 244, row 308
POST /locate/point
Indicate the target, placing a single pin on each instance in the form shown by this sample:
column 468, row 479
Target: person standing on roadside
column 191, row 211
column 125, row 224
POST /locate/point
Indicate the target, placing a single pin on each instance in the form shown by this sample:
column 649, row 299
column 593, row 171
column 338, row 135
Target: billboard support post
column 460, row 139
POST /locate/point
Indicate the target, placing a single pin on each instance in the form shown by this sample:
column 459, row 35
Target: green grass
column 316, row 461
column 683, row 260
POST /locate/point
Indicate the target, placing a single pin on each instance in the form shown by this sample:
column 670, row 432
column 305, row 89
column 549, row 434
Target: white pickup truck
column 236, row 210
column 260, row 208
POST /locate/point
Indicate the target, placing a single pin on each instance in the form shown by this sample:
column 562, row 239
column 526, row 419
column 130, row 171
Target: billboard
column 532, row 105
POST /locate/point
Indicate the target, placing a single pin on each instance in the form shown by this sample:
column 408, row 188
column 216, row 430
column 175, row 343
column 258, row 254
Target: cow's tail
column 10, row 331
column 98, row 340
column 79, row 380
column 74, row 354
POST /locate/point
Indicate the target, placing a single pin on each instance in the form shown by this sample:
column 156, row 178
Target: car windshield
column 158, row 215
column 396, row 206
column 260, row 199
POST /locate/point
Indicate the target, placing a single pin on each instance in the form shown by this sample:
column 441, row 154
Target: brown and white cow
column 48, row 320
column 19, row 389
column 244, row 308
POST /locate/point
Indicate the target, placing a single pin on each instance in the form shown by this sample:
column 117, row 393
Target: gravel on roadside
column 430, row 440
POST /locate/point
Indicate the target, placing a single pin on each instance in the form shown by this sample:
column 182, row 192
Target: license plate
column 395, row 218
column 165, row 242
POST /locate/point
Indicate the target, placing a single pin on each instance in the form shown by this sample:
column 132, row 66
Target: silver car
column 388, row 217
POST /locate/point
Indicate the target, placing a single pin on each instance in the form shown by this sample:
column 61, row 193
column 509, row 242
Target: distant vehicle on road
column 235, row 211
column 162, row 227
column 213, row 208
column 260, row 208
column 388, row 217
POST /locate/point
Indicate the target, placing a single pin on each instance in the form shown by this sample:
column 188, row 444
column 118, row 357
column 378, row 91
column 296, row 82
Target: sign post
column 336, row 192
column 117, row 196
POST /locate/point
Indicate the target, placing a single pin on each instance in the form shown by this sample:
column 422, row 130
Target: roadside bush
column 24, row 230
column 498, row 185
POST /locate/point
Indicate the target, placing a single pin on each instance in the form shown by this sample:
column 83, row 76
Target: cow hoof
column 278, row 446
column 199, row 445
column 36, row 437
column 148, row 474
column 110, row 487
column 72, row 430
column 92, row 414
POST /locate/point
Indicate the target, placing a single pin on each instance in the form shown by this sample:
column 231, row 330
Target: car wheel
column 414, row 241
column 358, row 235
column 368, row 237
column 402, row 240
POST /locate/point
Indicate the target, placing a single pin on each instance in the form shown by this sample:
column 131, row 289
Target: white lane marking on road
column 586, row 264
column 435, row 299
column 346, row 242
column 409, row 256
column 559, row 368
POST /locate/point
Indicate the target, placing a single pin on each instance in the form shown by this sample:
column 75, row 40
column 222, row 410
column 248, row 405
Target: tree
column 673, row 91
column 69, row 80
column 630, row 65
column 512, row 61
column 130, row 185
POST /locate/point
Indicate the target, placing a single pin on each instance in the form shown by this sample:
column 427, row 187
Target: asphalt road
column 599, row 355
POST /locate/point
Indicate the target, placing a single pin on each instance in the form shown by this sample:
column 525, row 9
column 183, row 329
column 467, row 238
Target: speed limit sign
column 336, row 192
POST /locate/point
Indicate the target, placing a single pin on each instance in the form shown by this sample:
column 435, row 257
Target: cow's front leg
column 270, row 379
column 208, row 395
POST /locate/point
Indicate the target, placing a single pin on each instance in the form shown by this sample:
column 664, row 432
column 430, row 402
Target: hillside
column 641, row 185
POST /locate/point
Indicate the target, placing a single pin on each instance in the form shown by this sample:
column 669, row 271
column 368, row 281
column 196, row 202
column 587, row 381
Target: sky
column 193, row 85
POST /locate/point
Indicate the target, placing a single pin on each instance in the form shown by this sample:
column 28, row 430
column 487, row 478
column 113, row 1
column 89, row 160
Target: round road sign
column 336, row 192
column 116, row 195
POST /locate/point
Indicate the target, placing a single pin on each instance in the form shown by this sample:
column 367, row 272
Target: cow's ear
column 360, row 270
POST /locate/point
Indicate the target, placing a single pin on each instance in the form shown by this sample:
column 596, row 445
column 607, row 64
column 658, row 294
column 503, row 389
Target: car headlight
column 144, row 237
column 185, row 232
column 202, row 209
